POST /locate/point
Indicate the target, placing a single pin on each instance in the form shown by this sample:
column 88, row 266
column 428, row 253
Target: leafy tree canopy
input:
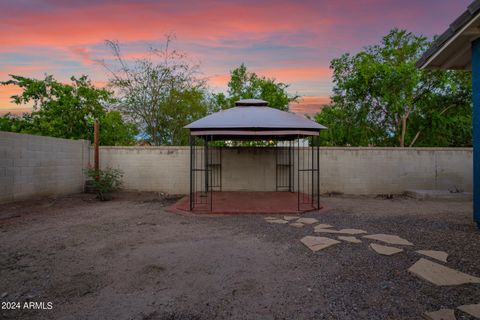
column 66, row 111
column 161, row 92
column 248, row 85
column 381, row 99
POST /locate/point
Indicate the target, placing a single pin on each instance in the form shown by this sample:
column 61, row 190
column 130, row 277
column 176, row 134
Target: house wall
column 33, row 166
column 346, row 170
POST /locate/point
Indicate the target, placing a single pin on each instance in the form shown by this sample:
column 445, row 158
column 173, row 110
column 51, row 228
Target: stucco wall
column 32, row 166
column 346, row 170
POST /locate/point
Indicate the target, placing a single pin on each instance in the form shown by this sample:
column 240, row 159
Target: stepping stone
column 350, row 239
column 297, row 224
column 317, row 229
column 318, row 243
column 389, row 238
column 288, row 218
column 279, row 221
column 438, row 255
column 353, row 231
column 385, row 250
column 343, row 231
column 440, row 275
column 270, row 218
column 442, row 314
column 323, row 226
column 472, row 309
column 307, row 220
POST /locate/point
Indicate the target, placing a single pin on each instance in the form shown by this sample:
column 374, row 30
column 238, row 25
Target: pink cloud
column 291, row 41
column 83, row 54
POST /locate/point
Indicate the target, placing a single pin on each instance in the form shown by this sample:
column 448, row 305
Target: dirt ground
column 131, row 259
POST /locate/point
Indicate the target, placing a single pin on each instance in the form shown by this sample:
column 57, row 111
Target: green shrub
column 105, row 181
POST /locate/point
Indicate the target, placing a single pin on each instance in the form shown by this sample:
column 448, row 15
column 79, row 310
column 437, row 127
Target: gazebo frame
column 297, row 167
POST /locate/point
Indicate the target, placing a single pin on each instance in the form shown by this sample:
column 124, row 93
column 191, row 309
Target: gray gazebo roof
column 252, row 117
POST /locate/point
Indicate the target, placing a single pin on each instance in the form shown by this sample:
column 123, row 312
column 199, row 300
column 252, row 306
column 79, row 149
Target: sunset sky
column 292, row 41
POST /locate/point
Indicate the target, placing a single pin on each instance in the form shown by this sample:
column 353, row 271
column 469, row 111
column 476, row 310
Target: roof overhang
column 452, row 50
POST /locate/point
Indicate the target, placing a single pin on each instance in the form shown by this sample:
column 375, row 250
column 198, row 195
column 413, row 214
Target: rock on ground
column 278, row 221
column 472, row 309
column 389, row 238
column 438, row 255
column 385, row 250
column 439, row 274
column 307, row 220
column 297, row 225
column 318, row 243
column 350, row 239
column 442, row 314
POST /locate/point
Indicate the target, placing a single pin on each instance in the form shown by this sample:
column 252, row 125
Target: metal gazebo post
column 96, row 141
column 318, row 171
column 191, row 170
column 298, row 172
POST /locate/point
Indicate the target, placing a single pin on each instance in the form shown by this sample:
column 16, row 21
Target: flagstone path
column 342, row 231
column 425, row 269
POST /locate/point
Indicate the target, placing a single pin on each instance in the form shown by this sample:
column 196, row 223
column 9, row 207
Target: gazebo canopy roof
column 252, row 118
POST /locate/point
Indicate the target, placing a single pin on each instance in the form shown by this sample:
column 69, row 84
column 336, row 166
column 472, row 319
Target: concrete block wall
column 164, row 169
column 347, row 170
column 33, row 166
column 394, row 170
column 248, row 169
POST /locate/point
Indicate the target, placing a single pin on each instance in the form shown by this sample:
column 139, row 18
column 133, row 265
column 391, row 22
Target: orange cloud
column 297, row 74
column 306, row 100
column 219, row 80
column 310, row 105
column 7, row 91
column 5, row 97
column 286, row 75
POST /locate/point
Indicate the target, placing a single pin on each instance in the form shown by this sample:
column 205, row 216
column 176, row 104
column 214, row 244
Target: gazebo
column 458, row 48
column 252, row 124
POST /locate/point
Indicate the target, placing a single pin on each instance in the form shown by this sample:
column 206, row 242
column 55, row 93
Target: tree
column 161, row 93
column 114, row 131
column 380, row 98
column 12, row 123
column 248, row 85
column 65, row 110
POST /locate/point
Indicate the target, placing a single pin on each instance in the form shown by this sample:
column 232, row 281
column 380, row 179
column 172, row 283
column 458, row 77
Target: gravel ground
column 131, row 259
